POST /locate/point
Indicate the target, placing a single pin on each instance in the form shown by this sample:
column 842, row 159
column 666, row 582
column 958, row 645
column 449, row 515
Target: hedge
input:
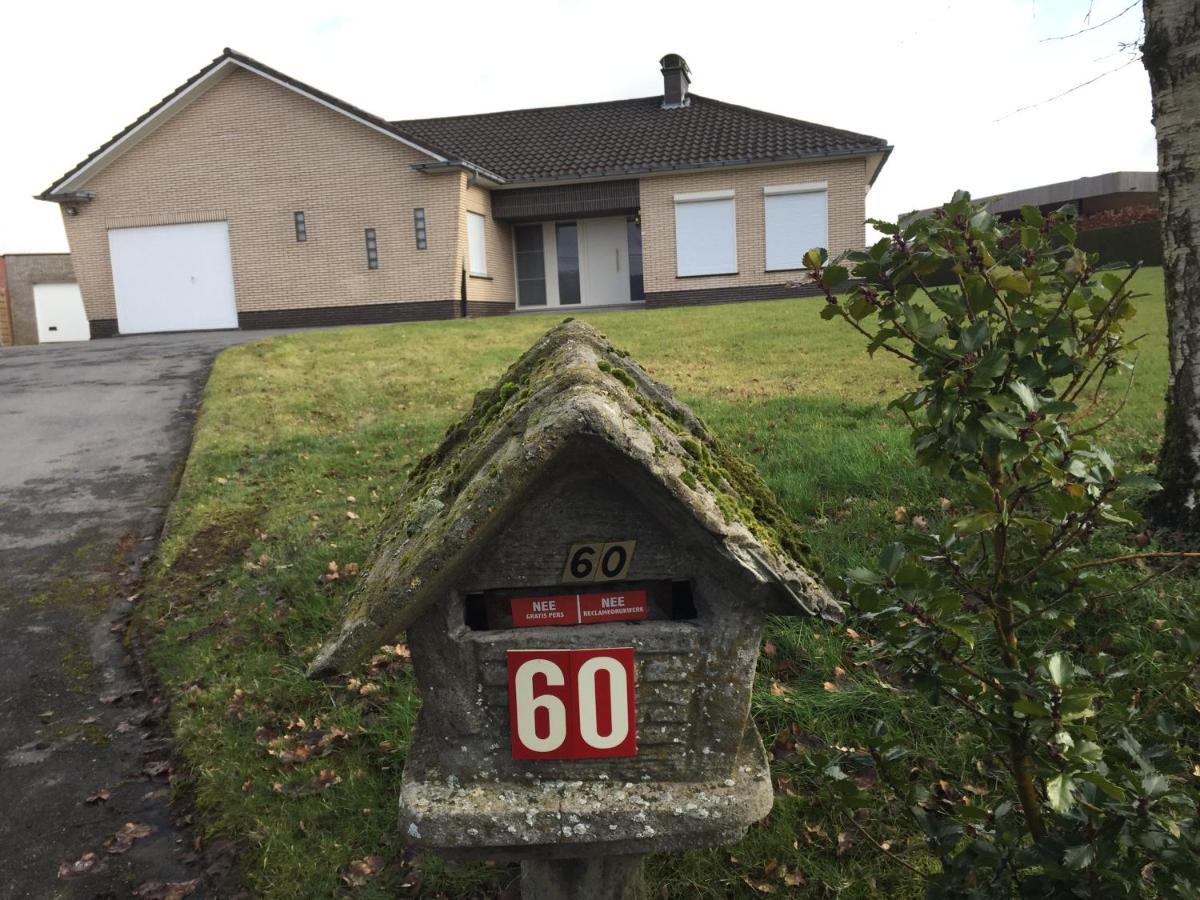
column 1125, row 243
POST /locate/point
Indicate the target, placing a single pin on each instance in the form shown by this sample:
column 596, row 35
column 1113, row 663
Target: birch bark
column 1171, row 54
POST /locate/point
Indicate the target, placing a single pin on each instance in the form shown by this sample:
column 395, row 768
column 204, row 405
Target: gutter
column 450, row 165
column 678, row 168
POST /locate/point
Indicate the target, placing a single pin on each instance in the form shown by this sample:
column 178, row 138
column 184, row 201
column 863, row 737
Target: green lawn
column 301, row 448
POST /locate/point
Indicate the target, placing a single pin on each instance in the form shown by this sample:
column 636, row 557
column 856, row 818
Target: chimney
column 676, row 79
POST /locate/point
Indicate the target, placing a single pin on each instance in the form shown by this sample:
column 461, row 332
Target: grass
column 301, row 447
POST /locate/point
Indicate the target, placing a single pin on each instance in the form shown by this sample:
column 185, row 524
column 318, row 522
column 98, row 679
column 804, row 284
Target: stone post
column 583, row 878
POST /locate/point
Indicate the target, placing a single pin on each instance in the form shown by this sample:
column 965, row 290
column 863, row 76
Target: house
column 39, row 300
column 247, row 198
column 1117, row 213
column 1094, row 195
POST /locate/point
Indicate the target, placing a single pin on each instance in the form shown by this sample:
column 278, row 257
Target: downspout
column 463, row 294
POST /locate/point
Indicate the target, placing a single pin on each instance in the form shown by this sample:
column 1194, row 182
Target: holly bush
column 1085, row 779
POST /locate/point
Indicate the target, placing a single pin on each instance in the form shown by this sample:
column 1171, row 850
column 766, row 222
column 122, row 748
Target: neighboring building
column 1090, row 196
column 39, row 300
column 249, row 199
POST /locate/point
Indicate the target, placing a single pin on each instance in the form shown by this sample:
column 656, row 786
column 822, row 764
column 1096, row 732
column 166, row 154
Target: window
column 705, row 234
column 566, row 237
column 476, row 244
column 372, row 250
column 419, row 225
column 531, row 265
column 797, row 219
column 301, row 228
column 637, row 288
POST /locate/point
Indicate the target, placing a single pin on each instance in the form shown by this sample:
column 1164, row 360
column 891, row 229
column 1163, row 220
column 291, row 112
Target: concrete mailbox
column 583, row 571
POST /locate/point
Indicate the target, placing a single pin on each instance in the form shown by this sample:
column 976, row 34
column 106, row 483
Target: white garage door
column 173, row 277
column 60, row 315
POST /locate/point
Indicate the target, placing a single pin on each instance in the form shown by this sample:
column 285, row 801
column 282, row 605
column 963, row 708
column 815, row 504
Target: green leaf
column 833, row 276
column 1060, row 669
column 1029, row 708
column 1141, row 482
column 1060, row 791
column 1112, row 790
column 974, row 336
column 994, row 425
column 1079, row 857
column 1024, row 343
column 964, row 634
column 815, row 258
column 864, row 576
column 977, row 522
column 1154, row 784
column 860, row 307
column 993, row 363
column 1058, row 408
column 891, row 557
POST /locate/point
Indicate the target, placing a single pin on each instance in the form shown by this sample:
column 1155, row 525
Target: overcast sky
column 940, row 79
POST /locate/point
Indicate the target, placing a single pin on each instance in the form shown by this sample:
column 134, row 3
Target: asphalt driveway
column 91, row 438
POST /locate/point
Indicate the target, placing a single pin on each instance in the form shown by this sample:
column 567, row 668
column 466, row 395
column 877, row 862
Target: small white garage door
column 173, row 277
column 60, row 315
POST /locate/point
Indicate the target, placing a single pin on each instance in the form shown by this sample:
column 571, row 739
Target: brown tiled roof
column 589, row 140
column 629, row 137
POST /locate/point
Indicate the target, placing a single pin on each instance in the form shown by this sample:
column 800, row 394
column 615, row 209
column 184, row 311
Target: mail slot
column 583, row 572
column 554, row 605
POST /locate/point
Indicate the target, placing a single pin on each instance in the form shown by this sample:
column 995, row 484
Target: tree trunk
column 1171, row 54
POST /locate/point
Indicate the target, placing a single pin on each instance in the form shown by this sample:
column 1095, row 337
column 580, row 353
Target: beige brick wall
column 252, row 152
column 498, row 286
column 847, row 199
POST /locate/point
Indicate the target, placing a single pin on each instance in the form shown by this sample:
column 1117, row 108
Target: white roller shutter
column 705, row 234
column 797, row 219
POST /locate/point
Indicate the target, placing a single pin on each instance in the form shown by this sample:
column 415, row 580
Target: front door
column 605, row 269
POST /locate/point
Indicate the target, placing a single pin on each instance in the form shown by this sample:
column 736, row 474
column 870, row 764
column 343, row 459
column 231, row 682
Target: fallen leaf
column 157, row 767
column 360, row 871
column 831, row 687
column 769, row 649
column 351, row 514
column 900, row 514
column 99, row 797
column 88, row 864
column 777, row 689
column 845, row 842
column 794, row 879
column 123, row 839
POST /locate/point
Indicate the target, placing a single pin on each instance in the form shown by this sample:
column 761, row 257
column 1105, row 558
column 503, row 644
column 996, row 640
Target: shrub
column 1082, row 782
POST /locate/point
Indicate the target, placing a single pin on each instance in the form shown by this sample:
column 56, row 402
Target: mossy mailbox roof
column 571, row 385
